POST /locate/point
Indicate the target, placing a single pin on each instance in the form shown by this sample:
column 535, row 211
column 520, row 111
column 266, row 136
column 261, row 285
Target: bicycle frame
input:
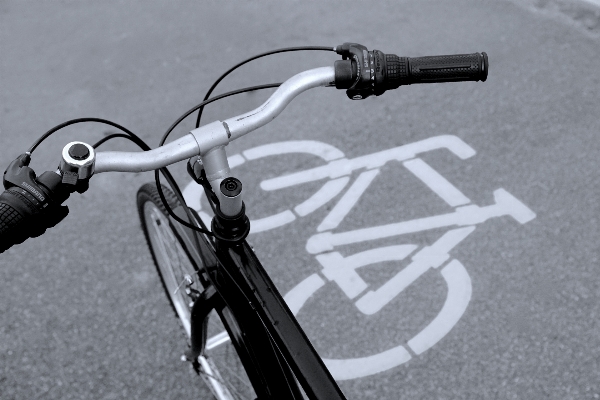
column 270, row 339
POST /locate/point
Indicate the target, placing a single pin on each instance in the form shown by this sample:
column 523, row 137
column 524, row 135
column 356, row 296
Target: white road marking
column 344, row 166
column 217, row 340
column 342, row 270
column 327, row 192
column 235, row 160
column 192, row 194
column 272, row 221
column 458, row 297
column 428, row 257
column 348, row 200
column 594, row 2
column 436, row 182
column 334, row 169
column 296, row 297
column 326, row 151
column 457, row 300
column 352, row 368
column 506, row 204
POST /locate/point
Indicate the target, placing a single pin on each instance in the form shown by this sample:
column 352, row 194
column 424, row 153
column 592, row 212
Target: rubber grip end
column 484, row 67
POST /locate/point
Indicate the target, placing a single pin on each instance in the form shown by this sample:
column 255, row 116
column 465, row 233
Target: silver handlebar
column 208, row 140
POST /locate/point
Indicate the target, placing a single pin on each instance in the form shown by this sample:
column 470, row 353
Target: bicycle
column 236, row 320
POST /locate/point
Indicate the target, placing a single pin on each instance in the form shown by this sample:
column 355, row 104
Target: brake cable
column 200, row 107
column 268, row 53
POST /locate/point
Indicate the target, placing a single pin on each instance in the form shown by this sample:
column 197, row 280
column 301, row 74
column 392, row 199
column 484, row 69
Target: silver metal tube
column 202, row 140
column 170, row 153
column 242, row 124
column 230, row 196
column 216, row 166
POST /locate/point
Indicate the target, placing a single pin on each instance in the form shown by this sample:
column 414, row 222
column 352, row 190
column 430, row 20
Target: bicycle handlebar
column 365, row 73
column 202, row 140
column 30, row 204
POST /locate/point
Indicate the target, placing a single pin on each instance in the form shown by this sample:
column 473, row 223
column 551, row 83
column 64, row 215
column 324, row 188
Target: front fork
column 208, row 300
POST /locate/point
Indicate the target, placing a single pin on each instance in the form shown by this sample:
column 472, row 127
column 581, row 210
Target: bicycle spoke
column 219, row 379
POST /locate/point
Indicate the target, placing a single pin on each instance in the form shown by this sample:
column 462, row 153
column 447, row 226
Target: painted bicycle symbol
column 344, row 271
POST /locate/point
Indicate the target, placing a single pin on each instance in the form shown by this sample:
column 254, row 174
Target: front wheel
column 220, row 366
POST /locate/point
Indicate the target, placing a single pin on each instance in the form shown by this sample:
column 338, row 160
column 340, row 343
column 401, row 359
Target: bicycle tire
column 220, row 366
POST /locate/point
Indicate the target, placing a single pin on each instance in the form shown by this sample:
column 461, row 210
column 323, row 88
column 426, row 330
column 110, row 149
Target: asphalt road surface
column 486, row 285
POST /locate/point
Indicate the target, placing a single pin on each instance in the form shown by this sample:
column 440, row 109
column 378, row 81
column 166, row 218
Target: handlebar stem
column 216, row 167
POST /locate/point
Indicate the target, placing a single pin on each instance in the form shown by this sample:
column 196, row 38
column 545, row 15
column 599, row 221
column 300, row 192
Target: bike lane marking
column 458, row 297
column 322, row 196
column 326, row 193
column 428, row 257
column 348, row 200
column 338, row 167
column 352, row 368
column 342, row 270
column 436, row 182
column 272, row 221
column 506, row 204
column 344, row 166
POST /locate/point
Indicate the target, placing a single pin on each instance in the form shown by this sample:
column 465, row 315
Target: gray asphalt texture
column 82, row 315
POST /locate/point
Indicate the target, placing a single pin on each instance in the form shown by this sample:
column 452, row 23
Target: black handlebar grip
column 20, row 219
column 10, row 226
column 431, row 69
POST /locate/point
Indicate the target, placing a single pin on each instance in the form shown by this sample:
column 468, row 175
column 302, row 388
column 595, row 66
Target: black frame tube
column 279, row 322
column 269, row 340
